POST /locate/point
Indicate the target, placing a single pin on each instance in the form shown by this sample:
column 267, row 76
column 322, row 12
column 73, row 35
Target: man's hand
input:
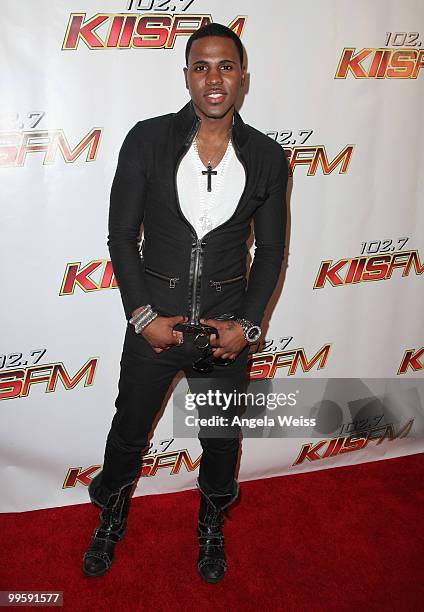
column 160, row 333
column 231, row 338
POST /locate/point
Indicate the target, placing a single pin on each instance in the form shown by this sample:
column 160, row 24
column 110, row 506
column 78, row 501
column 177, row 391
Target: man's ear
column 243, row 76
column 185, row 70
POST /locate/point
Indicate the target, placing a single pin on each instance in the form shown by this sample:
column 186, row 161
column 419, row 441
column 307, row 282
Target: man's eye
column 227, row 66
column 199, row 67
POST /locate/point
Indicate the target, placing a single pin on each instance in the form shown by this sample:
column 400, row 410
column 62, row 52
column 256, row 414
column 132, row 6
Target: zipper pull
column 217, row 285
column 141, row 249
column 172, row 282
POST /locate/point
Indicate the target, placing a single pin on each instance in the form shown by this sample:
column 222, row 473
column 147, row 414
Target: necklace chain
column 196, row 148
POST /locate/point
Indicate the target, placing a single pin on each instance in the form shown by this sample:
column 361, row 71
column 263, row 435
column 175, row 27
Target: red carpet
column 348, row 538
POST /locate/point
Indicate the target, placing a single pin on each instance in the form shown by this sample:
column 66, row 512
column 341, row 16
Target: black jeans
column 144, row 380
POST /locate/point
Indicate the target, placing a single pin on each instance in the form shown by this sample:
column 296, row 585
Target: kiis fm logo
column 263, row 366
column 172, row 461
column 313, row 156
column 412, row 359
column 75, row 276
column 378, row 266
column 22, row 138
column 384, row 63
column 125, row 31
column 331, row 447
column 17, row 381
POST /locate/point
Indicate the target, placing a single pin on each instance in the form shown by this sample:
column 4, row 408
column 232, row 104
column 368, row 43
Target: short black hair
column 214, row 29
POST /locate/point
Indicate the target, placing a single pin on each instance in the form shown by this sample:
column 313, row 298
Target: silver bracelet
column 143, row 318
column 141, row 314
column 140, row 328
column 144, row 309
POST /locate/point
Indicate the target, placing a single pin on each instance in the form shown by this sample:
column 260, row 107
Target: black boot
column 212, row 563
column 113, row 521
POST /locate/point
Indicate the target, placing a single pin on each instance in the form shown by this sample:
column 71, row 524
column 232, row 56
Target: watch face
column 253, row 333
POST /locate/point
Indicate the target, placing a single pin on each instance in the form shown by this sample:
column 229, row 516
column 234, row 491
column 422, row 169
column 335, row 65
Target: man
column 195, row 179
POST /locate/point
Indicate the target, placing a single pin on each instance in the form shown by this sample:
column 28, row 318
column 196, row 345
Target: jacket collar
column 186, row 120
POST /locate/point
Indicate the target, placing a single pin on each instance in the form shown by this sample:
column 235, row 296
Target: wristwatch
column 252, row 332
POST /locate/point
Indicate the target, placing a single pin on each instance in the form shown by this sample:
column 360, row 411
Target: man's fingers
column 218, row 352
column 211, row 322
column 224, row 353
column 212, row 340
column 178, row 319
column 178, row 337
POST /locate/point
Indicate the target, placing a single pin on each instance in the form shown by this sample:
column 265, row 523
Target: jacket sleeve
column 126, row 213
column 270, row 221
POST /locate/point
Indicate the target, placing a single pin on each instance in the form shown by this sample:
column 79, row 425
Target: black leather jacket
column 179, row 273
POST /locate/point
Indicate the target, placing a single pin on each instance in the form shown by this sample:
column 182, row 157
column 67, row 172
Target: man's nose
column 214, row 75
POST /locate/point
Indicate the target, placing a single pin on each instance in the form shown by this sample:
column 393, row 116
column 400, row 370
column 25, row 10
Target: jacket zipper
column 201, row 242
column 195, row 304
column 197, row 244
column 172, row 280
column 217, row 284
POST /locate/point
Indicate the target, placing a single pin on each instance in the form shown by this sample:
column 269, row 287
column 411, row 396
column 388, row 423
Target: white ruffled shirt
column 204, row 209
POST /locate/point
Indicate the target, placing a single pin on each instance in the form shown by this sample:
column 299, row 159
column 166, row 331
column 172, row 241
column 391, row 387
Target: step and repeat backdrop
column 339, row 85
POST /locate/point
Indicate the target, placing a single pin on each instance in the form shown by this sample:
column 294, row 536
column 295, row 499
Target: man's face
column 214, row 76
